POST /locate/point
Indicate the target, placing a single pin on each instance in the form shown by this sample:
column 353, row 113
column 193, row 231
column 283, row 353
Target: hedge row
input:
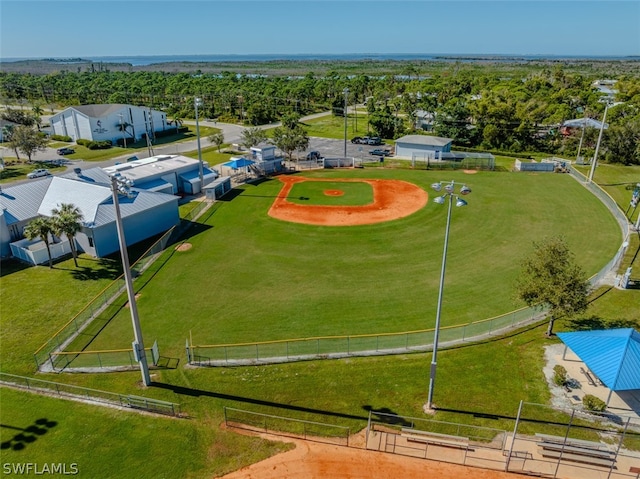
column 95, row 145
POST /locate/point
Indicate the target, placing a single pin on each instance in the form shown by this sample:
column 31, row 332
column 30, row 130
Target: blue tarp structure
column 236, row 163
column 612, row 354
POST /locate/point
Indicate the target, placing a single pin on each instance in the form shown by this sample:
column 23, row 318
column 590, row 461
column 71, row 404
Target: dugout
column 532, row 165
column 217, row 188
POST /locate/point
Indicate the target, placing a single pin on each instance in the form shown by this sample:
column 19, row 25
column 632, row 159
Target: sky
column 93, row 28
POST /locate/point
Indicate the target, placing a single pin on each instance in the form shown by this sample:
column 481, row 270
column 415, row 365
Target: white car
column 38, row 173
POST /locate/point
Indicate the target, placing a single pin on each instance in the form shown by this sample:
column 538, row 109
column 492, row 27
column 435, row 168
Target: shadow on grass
column 595, row 322
column 258, row 402
column 105, row 269
column 387, row 416
column 10, row 266
column 27, row 435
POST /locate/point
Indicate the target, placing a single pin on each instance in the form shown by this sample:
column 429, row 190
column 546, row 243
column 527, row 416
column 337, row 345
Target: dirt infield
column 392, row 199
column 313, row 460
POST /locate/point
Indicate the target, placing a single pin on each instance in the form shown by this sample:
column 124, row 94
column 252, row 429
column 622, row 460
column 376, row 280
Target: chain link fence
column 87, row 394
column 80, row 330
column 327, row 347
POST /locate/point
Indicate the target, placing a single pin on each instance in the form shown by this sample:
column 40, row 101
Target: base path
column 392, row 199
column 313, row 460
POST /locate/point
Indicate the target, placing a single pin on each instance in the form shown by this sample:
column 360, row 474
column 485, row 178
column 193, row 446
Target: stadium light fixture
column 122, row 185
column 450, row 194
column 346, row 96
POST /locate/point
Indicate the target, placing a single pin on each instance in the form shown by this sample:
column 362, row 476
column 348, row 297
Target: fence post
column 513, row 439
column 99, row 360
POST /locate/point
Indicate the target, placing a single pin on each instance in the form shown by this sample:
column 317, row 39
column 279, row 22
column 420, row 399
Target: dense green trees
column 504, row 106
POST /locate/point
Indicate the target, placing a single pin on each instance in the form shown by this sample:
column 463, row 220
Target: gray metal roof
column 98, row 111
column 140, row 202
column 29, row 200
column 86, row 196
column 92, row 175
column 21, row 202
column 424, row 140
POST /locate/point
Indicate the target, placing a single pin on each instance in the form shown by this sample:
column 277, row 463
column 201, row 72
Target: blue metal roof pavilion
column 612, row 354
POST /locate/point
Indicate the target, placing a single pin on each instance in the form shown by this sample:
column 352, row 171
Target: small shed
column 218, row 188
column 412, row 146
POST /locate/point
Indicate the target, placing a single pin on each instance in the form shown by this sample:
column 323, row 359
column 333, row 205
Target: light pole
column 198, row 102
column 607, row 104
column 346, row 96
column 123, row 130
column 121, row 185
column 450, row 194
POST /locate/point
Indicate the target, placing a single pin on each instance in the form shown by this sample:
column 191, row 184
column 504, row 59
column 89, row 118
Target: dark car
column 380, row 152
column 314, row 155
column 357, row 140
column 65, row 151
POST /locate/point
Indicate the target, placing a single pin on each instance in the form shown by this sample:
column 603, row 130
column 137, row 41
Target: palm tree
column 67, row 220
column 217, row 139
column 40, row 227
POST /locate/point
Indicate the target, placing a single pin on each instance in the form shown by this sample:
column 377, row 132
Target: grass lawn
column 258, row 278
column 108, row 443
column 13, row 171
column 330, row 126
column 237, row 246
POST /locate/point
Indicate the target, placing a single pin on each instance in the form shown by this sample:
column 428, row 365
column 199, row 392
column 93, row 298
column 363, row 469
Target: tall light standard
column 346, row 96
column 121, row 185
column 198, row 102
column 449, row 189
column 595, row 155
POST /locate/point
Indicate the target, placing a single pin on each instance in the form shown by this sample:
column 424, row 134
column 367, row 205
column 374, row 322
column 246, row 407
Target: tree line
column 491, row 108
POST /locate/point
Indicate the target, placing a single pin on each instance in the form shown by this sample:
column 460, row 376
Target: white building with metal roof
column 422, row 146
column 107, row 122
column 144, row 214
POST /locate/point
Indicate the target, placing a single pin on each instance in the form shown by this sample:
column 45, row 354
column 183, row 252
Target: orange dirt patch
column 333, row 192
column 470, row 172
column 313, row 460
column 392, row 199
column 184, row 247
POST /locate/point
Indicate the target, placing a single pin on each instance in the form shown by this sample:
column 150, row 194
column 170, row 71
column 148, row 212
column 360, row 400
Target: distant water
column 142, row 60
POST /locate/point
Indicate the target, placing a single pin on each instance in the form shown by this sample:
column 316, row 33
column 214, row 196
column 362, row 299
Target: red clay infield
column 392, row 199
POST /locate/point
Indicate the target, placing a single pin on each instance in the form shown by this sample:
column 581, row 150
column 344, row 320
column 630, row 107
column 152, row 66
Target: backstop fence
column 326, row 347
column 286, row 426
column 76, row 334
column 87, row 394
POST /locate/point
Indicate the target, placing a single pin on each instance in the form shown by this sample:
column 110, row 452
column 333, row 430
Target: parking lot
column 330, row 148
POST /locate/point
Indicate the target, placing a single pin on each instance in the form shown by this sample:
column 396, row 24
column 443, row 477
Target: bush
column 61, row 138
column 592, row 403
column 559, row 375
column 83, row 142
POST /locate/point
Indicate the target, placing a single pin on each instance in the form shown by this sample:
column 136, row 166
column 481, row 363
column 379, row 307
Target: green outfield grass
column 238, row 246
column 249, row 277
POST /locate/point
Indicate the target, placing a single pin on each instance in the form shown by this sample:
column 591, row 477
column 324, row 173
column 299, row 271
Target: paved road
column 232, row 134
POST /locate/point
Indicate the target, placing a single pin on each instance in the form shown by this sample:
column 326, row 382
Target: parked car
column 380, row 152
column 314, row 155
column 375, row 141
column 38, row 173
column 65, row 151
column 357, row 140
